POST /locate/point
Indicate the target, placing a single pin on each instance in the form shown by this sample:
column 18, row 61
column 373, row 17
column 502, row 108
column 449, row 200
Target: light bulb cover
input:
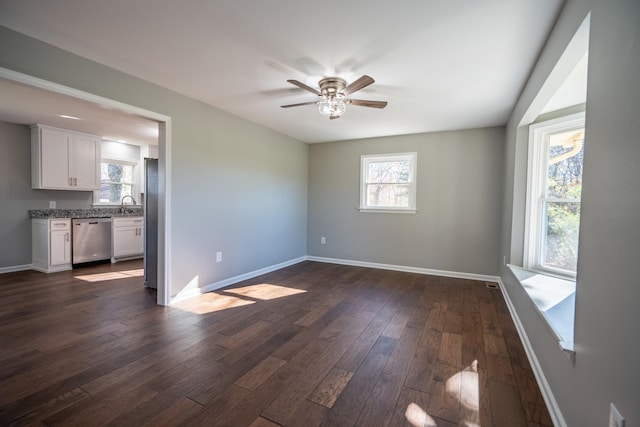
column 332, row 105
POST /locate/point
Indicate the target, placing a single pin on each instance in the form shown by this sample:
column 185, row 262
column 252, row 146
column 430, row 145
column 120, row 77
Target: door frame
column 164, row 163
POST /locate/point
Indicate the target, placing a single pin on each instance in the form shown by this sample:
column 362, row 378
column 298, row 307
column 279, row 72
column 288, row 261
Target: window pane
column 388, row 195
column 564, row 157
column 116, row 173
column 388, row 171
column 561, row 237
column 113, row 193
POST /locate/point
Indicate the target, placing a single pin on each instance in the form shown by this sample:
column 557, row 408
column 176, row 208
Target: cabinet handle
column 75, row 181
column 70, row 181
column 66, row 237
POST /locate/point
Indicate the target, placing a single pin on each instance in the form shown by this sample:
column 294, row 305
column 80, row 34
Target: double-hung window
column 117, row 180
column 556, row 151
column 388, row 183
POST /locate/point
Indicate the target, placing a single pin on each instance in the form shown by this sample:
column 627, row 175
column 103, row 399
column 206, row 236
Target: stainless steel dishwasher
column 91, row 239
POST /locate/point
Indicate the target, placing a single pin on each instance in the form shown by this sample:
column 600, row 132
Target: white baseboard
column 407, row 269
column 232, row 280
column 13, row 268
column 545, row 389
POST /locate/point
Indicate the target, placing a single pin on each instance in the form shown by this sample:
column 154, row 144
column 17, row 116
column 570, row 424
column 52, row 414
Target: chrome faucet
column 122, row 208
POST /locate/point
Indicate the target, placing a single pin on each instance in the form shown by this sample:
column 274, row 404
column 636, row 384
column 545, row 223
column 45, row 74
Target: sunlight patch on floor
column 265, row 291
column 418, row 417
column 211, row 302
column 463, row 389
column 224, row 299
column 111, row 275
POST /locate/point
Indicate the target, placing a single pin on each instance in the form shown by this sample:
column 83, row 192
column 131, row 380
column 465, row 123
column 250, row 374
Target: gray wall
column 607, row 315
column 457, row 226
column 237, row 187
column 17, row 197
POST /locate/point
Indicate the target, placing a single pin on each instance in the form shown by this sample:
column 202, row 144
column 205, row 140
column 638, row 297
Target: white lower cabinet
column 128, row 237
column 51, row 244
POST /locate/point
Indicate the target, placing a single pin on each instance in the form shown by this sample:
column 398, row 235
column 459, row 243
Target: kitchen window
column 117, row 179
column 388, row 183
column 556, row 155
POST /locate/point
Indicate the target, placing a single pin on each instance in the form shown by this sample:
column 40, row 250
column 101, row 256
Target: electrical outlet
column 218, row 256
column 52, row 204
column 615, row 418
column 323, row 240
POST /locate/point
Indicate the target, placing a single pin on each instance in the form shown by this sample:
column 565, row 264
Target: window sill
column 554, row 298
column 401, row 211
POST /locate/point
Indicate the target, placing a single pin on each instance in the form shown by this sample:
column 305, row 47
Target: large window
column 117, row 180
column 388, row 183
column 556, row 151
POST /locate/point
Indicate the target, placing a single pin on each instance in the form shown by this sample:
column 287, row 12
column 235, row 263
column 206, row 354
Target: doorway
column 164, row 155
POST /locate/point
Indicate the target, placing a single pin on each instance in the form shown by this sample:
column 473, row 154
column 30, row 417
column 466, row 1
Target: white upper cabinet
column 64, row 160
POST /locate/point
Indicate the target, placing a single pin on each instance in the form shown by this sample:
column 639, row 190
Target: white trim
column 545, row 389
column 13, row 268
column 113, row 160
column 406, row 269
column 54, row 269
column 390, row 210
column 233, row 280
column 566, row 346
column 164, row 212
column 539, row 134
column 365, row 159
column 164, row 142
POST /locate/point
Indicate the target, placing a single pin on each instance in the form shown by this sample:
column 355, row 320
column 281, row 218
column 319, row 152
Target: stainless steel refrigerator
column 151, row 223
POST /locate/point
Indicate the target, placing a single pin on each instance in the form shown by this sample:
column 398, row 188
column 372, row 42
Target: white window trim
column 118, row 161
column 539, row 134
column 412, row 157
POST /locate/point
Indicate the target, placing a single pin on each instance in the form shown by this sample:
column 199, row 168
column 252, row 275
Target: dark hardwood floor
column 312, row 344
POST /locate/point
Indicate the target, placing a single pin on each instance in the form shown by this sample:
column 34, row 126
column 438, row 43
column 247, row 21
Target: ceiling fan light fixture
column 332, row 106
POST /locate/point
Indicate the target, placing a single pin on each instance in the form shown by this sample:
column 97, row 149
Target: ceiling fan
column 333, row 95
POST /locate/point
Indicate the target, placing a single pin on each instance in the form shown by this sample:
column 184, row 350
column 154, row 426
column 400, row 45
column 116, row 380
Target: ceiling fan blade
column 362, row 82
column 304, row 86
column 372, row 104
column 299, row 105
column 333, row 117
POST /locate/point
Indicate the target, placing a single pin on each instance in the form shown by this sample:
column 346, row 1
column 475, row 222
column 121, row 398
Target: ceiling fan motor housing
column 332, row 86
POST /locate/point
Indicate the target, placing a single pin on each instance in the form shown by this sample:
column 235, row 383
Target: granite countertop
column 85, row 213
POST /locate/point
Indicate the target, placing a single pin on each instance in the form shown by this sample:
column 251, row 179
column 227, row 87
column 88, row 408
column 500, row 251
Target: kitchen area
column 76, row 191
column 63, row 239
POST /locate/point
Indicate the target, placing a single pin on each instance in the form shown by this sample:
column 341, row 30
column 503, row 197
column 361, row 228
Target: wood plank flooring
column 309, row 345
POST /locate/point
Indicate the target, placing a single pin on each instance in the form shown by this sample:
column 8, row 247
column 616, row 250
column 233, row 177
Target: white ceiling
column 28, row 105
column 440, row 64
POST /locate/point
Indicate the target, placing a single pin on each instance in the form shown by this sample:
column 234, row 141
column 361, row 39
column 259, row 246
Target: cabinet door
column 84, row 155
column 55, row 159
column 124, row 241
column 60, row 250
